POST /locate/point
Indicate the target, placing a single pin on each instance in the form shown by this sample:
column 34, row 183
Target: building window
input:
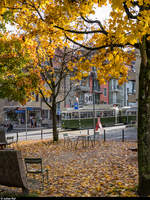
column 105, row 92
column 97, row 99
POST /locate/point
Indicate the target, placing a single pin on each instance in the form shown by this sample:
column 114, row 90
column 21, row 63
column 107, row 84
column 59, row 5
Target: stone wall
column 12, row 171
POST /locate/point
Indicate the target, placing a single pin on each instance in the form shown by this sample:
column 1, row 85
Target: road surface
column 111, row 133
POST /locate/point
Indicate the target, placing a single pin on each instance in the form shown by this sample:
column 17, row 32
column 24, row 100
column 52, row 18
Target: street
column 111, row 133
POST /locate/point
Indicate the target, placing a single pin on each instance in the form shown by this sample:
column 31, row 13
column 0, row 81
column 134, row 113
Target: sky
column 102, row 13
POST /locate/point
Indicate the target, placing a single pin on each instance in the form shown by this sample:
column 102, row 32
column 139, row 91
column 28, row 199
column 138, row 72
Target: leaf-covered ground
column 106, row 170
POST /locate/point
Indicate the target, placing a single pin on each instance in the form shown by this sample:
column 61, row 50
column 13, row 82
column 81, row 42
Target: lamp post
column 116, row 113
column 77, row 100
column 93, row 94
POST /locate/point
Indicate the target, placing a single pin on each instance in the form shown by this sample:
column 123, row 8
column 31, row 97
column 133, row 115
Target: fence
column 126, row 134
column 31, row 135
column 121, row 134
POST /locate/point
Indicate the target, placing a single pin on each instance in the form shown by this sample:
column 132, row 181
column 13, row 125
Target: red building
column 104, row 96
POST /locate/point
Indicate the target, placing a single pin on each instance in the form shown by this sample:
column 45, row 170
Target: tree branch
column 95, row 22
column 45, row 99
column 79, row 32
column 94, row 48
column 65, row 96
column 129, row 14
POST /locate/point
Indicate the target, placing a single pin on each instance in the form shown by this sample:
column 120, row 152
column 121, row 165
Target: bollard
column 122, row 135
column 17, row 137
column 88, row 132
column 104, row 135
column 41, row 133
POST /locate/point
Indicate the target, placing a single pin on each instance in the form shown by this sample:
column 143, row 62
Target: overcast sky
column 102, row 13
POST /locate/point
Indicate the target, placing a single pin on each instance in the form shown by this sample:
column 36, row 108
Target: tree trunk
column 55, row 133
column 144, row 120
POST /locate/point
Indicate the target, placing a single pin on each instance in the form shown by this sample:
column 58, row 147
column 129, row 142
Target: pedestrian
column 31, row 121
column 34, row 122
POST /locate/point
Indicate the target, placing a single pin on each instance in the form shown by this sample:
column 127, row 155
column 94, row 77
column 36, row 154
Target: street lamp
column 93, row 94
column 116, row 113
column 93, row 75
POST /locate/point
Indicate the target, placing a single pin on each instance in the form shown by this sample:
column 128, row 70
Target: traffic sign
column 29, row 108
column 76, row 107
column 19, row 111
column 58, row 112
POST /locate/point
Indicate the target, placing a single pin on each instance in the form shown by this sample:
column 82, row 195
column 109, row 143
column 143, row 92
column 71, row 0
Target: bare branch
column 79, row 32
column 45, row 99
column 95, row 22
column 94, row 48
column 129, row 14
column 65, row 96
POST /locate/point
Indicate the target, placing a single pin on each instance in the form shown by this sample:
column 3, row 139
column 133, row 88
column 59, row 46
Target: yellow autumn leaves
column 105, row 170
column 40, row 22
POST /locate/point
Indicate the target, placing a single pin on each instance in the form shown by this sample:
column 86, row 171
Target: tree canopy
column 50, row 20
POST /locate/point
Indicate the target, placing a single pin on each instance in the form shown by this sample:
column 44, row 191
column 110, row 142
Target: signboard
column 58, row 112
column 76, row 106
column 19, row 111
column 29, row 108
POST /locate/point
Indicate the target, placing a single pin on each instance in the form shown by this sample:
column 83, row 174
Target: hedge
column 88, row 123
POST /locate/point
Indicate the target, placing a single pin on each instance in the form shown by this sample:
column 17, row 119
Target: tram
column 83, row 118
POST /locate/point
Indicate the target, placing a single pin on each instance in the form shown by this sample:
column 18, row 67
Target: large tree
column 128, row 26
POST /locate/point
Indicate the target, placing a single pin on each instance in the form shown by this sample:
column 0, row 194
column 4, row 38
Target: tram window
column 98, row 114
column 90, row 114
column 83, row 115
column 101, row 114
column 105, row 114
column 69, row 115
column 63, row 115
column 109, row 113
column 75, row 115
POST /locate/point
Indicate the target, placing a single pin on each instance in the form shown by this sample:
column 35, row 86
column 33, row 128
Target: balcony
column 114, row 89
column 132, row 98
column 83, row 88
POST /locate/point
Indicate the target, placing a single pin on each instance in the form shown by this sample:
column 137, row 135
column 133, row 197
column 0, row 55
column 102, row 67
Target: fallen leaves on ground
column 106, row 170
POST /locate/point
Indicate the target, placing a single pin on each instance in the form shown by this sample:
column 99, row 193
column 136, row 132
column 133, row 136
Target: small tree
column 53, row 71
